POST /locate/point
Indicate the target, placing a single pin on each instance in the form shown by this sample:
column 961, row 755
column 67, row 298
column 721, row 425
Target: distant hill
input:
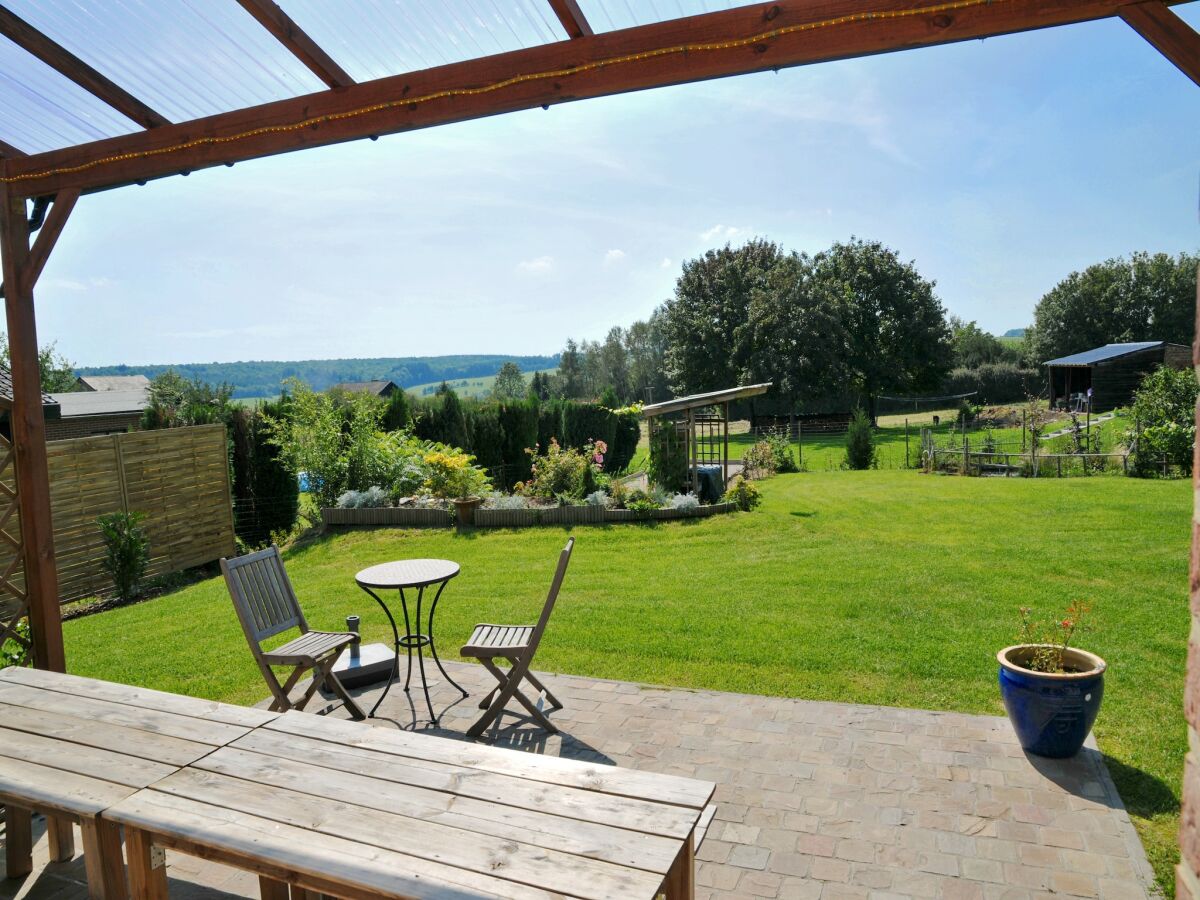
column 1014, row 332
column 264, row 378
column 478, row 388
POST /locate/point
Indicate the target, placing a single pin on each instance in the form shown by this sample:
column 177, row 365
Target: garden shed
column 700, row 422
column 1112, row 372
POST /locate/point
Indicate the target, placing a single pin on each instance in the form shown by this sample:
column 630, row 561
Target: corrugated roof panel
column 611, row 15
column 184, row 58
column 41, row 110
column 1101, row 354
column 377, row 38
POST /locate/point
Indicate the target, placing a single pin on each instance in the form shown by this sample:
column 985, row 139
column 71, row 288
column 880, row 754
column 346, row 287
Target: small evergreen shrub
column 860, row 442
column 126, row 551
column 744, row 493
column 781, row 453
column 506, row 501
column 373, row 497
column 685, row 501
column 598, row 498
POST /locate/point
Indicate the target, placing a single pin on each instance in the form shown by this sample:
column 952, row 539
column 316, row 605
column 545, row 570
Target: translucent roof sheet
column 611, row 15
column 185, row 58
column 1101, row 354
column 376, row 38
column 41, row 110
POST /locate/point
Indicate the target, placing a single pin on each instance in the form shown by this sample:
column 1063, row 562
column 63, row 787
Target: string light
column 452, row 93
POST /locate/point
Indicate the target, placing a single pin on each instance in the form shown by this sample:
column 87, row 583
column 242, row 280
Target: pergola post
column 29, row 437
column 1187, row 873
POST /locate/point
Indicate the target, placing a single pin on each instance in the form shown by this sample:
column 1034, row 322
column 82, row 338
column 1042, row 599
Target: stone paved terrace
column 815, row 800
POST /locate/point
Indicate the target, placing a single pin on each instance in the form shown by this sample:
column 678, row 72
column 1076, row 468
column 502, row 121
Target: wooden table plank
column 597, row 841
column 47, row 789
column 571, row 802
column 161, row 701
column 288, row 853
column 105, row 765
column 514, row 861
column 90, row 733
column 622, row 782
column 141, row 718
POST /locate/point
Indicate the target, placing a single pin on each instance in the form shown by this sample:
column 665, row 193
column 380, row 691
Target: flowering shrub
column 759, row 461
column 564, row 475
column 1052, row 638
column 449, row 474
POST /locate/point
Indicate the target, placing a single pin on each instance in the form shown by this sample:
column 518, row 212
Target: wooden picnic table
column 331, row 806
column 72, row 747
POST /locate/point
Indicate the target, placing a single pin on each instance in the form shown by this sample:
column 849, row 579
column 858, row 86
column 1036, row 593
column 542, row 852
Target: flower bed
column 410, row 517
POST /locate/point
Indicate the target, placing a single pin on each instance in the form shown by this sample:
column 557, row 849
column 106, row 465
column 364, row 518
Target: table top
column 78, row 745
column 409, row 814
column 407, row 573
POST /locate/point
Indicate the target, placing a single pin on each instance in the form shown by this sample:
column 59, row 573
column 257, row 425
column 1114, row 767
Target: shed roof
column 365, row 387
column 115, row 382
column 100, row 403
column 1105, row 353
column 49, row 405
column 699, row 401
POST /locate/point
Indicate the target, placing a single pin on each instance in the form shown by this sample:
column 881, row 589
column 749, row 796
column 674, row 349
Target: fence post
column 966, row 461
column 1059, row 458
column 906, row 442
column 120, row 460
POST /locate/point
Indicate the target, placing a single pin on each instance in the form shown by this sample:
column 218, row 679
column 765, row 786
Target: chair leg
column 554, row 701
column 335, row 685
column 503, row 694
column 282, row 701
column 511, row 688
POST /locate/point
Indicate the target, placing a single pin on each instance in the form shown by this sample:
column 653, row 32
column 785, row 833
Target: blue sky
column 997, row 166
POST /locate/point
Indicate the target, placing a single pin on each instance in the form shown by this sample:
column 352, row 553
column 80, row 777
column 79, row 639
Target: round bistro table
column 404, row 575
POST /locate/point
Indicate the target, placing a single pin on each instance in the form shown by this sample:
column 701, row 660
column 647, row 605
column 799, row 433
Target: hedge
column 995, row 383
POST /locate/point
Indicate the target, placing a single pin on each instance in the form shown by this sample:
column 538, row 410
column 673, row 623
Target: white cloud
column 537, row 264
column 74, row 284
column 723, row 233
column 666, row 263
column 613, row 256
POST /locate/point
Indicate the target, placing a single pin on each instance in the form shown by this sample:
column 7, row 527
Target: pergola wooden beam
column 1170, row 35
column 713, row 45
column 48, row 234
column 285, row 30
column 59, row 58
column 8, row 151
column 29, row 436
column 572, row 18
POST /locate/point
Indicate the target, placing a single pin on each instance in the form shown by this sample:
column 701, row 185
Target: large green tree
column 1148, row 297
column 796, row 334
column 897, row 338
column 974, row 347
column 704, row 323
column 509, row 383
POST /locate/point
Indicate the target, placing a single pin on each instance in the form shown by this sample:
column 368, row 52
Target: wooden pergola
column 39, row 189
column 701, row 429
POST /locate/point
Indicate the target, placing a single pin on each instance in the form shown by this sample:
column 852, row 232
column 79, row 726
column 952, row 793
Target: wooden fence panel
column 178, row 477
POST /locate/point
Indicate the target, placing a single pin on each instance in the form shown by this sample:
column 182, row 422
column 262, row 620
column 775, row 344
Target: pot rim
column 1098, row 664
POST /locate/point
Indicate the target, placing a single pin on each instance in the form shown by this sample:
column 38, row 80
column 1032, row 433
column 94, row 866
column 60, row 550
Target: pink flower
column 598, row 458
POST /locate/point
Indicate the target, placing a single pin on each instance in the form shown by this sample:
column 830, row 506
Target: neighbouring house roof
column 114, row 382
column 699, row 401
column 1105, row 353
column 50, row 409
column 100, row 403
column 378, row 388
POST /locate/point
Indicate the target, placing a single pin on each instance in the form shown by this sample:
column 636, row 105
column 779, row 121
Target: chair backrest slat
column 559, row 574
column 262, row 594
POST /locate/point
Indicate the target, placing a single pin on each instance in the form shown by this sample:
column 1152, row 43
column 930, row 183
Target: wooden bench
column 71, row 747
column 336, row 807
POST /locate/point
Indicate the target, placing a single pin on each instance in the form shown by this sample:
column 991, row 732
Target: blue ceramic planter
column 1052, row 713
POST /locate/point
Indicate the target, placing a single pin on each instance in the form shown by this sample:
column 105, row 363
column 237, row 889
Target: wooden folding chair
column 266, row 606
column 517, row 644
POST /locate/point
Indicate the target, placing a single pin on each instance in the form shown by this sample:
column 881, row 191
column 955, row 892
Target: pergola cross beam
column 8, row 151
column 1169, row 34
column 66, row 63
column 285, row 30
column 572, row 18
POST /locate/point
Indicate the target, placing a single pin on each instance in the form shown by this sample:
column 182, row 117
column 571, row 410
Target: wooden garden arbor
column 705, row 435
column 41, row 178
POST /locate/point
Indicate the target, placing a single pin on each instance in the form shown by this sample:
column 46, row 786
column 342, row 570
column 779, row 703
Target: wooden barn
column 1112, row 372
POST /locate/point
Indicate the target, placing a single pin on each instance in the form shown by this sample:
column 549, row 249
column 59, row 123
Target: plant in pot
column 1052, row 691
column 451, row 476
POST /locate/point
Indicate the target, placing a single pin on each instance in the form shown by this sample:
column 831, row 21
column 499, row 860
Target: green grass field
column 476, row 388
column 882, row 587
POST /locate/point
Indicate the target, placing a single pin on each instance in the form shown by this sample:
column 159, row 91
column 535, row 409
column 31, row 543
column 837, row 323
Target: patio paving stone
column 814, row 800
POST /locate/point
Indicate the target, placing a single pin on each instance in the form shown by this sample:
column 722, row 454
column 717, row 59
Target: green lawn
column 880, row 587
